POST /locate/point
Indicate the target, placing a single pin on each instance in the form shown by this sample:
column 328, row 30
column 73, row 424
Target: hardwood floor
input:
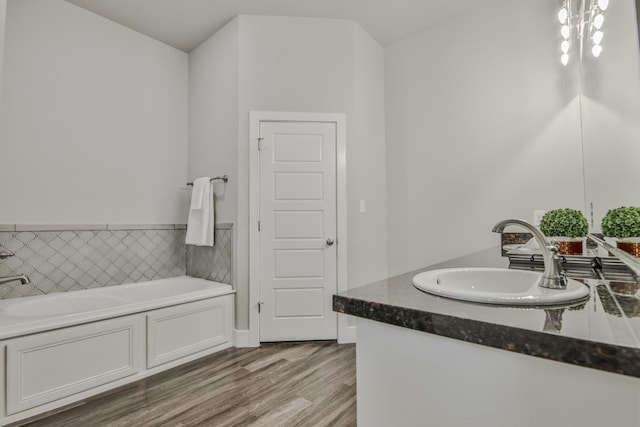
column 283, row 384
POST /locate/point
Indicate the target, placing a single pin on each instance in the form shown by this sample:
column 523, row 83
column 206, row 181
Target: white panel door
column 298, row 254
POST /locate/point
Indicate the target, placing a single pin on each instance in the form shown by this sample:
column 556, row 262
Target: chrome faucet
column 552, row 277
column 22, row 278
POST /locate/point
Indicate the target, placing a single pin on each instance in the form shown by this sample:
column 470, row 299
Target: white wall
column 94, row 120
column 3, row 17
column 213, row 116
column 610, row 109
column 286, row 64
column 213, row 123
column 309, row 65
column 482, row 125
column 366, row 164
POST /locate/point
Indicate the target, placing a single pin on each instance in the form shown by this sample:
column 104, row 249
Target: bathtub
column 19, row 316
column 61, row 348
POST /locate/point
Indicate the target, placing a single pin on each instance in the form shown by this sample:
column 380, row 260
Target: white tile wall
column 81, row 258
column 213, row 263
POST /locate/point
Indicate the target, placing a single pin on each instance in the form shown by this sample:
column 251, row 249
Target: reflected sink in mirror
column 497, row 286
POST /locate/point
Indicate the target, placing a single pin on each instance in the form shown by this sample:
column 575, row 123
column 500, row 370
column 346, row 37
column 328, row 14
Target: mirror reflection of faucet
column 553, row 320
column 529, row 248
column 21, row 277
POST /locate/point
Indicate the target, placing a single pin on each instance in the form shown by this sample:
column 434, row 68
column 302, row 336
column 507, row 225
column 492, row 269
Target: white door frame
column 255, row 117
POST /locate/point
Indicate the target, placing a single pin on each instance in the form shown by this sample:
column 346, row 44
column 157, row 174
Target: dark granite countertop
column 601, row 333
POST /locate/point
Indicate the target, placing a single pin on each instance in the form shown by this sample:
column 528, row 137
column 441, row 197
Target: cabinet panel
column 45, row 367
column 182, row 330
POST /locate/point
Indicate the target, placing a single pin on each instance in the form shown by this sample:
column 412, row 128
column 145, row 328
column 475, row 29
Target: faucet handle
column 554, row 251
column 554, row 247
column 4, row 254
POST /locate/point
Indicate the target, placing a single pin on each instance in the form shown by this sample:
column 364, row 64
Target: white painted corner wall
column 481, row 128
column 299, row 65
column 366, row 161
column 3, row 20
column 94, row 120
column 213, row 116
column 309, row 65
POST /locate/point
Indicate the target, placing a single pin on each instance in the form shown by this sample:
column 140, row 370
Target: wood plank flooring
column 280, row 384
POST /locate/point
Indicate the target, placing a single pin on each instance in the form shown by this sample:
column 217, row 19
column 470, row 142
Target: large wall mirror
column 610, row 111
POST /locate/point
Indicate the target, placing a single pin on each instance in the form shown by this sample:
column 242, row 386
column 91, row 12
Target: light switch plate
column 362, row 207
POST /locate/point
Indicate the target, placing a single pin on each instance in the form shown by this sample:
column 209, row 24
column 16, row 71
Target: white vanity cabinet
column 409, row 378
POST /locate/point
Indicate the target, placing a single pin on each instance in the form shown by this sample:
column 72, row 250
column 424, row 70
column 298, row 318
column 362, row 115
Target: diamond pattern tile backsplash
column 60, row 261
column 212, row 263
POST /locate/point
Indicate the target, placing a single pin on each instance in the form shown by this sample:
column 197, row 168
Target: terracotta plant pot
column 570, row 247
column 624, row 288
column 632, row 247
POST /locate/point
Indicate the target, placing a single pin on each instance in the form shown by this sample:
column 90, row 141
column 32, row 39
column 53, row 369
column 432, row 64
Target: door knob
column 330, row 241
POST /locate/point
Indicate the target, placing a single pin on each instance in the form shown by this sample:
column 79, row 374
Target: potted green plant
column 568, row 227
column 623, row 223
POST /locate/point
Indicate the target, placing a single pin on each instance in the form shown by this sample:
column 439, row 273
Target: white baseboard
column 241, row 338
column 347, row 335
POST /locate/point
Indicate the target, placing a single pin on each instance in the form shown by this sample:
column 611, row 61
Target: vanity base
column 409, row 378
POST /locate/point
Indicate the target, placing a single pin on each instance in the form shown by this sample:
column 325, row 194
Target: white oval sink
column 496, row 286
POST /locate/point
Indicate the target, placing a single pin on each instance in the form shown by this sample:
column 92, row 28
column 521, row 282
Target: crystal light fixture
column 564, row 17
column 596, row 20
column 581, row 23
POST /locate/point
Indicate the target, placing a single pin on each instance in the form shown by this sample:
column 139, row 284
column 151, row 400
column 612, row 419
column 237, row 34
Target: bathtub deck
column 40, row 313
column 284, row 384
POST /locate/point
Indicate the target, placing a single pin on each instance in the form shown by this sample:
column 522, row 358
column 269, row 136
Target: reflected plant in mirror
column 623, row 223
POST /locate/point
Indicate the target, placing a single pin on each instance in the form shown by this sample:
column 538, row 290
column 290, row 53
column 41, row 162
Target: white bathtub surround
column 44, row 312
column 201, row 214
column 66, row 347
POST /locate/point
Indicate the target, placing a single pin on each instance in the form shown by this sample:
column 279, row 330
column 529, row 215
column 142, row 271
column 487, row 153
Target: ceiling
column 184, row 24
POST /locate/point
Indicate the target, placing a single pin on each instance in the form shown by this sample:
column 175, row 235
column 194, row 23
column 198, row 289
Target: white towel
column 200, row 225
